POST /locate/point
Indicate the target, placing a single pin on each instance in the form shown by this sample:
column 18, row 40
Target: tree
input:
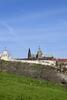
column 1, row 65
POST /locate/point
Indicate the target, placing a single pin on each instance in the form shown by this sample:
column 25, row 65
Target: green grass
column 14, row 87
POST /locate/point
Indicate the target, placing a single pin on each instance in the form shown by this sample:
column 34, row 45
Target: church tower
column 29, row 54
column 39, row 53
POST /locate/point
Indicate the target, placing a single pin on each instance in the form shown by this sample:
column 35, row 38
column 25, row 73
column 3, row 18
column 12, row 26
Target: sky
column 32, row 23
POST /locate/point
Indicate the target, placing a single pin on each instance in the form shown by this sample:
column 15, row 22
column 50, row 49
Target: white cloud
column 10, row 30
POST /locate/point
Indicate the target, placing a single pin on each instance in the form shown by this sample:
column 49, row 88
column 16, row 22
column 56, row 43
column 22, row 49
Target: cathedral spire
column 29, row 53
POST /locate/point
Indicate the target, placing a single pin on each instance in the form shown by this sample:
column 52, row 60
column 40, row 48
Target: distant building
column 39, row 53
column 5, row 55
column 29, row 54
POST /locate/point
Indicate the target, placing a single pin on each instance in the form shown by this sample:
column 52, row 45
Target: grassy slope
column 13, row 87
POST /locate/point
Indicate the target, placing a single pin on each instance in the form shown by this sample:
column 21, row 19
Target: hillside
column 32, row 70
column 15, row 87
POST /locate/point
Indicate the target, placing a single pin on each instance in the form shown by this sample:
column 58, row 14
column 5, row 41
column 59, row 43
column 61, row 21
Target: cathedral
column 39, row 55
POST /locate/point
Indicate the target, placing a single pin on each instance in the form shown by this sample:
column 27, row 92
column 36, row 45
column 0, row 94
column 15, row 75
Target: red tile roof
column 60, row 60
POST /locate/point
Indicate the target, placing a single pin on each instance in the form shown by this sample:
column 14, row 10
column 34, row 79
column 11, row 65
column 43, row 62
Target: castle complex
column 38, row 58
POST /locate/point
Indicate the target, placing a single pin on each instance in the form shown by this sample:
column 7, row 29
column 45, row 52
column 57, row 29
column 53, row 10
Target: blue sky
column 33, row 23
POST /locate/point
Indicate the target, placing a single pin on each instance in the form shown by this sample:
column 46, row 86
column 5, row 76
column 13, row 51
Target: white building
column 5, row 55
